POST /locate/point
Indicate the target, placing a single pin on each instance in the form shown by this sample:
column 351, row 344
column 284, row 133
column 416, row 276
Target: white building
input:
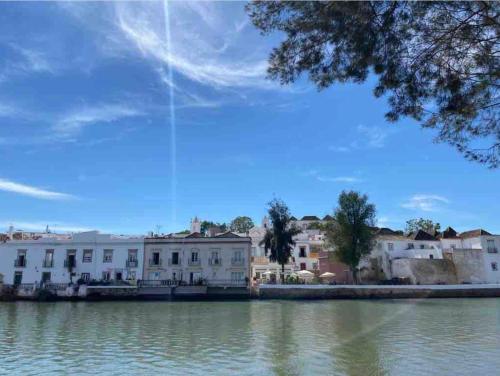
column 87, row 255
column 222, row 260
column 479, row 240
column 305, row 254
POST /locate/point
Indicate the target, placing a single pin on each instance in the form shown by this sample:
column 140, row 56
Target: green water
column 449, row 336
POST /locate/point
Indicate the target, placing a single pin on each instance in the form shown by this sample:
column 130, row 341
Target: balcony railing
column 131, row 263
column 492, row 250
column 153, row 262
column 70, row 263
column 237, row 261
column 48, row 263
column 157, row 283
column 172, row 263
column 192, row 262
column 20, row 263
column 215, row 261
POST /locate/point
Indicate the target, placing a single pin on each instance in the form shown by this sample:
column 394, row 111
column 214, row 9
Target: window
column 390, row 246
column 302, row 266
column 48, row 262
column 422, row 246
column 237, row 276
column 254, row 251
column 156, row 259
column 411, row 246
column 118, row 275
column 194, row 256
column 132, row 254
column 85, row 277
column 494, row 266
column 87, row 255
column 46, row 277
column 491, row 246
column 175, row 258
column 302, row 252
column 257, row 275
column 237, row 256
column 21, row 258
column 431, row 256
column 132, row 275
column 106, row 276
column 108, row 256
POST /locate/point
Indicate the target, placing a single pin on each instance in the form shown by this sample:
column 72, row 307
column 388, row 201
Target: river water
column 385, row 337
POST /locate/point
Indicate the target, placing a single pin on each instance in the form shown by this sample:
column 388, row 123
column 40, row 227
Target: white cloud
column 73, row 122
column 339, row 179
column 200, row 43
column 54, row 226
column 27, row 190
column 425, row 202
column 336, row 179
column 339, row 149
column 373, row 137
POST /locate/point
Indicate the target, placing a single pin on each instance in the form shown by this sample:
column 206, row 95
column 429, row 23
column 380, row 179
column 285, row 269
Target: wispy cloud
column 27, row 190
column 425, row 202
column 54, row 226
column 335, row 179
column 200, row 40
column 373, row 137
column 73, row 122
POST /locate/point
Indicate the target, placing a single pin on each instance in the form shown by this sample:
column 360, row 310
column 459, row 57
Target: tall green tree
column 437, row 62
column 278, row 241
column 427, row 225
column 241, row 224
column 351, row 234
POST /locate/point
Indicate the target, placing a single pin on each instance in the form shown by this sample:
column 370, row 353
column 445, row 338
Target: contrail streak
column 173, row 146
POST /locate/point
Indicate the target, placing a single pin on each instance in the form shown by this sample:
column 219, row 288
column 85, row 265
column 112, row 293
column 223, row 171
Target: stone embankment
column 376, row 291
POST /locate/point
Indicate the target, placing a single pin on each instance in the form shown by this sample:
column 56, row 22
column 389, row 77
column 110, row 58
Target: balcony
column 70, row 263
column 492, row 250
column 215, row 261
column 237, row 261
column 131, row 263
column 48, row 263
column 174, row 262
column 153, row 262
column 20, row 263
column 192, row 262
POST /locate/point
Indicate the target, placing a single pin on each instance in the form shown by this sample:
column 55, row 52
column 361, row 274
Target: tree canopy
column 437, row 62
column 351, row 233
column 241, row 224
column 278, row 240
column 413, row 225
column 206, row 225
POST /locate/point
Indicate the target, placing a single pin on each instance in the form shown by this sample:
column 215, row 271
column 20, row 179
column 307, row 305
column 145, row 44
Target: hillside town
column 210, row 262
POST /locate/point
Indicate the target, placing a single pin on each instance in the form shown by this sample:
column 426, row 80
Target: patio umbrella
column 268, row 273
column 327, row 275
column 305, row 273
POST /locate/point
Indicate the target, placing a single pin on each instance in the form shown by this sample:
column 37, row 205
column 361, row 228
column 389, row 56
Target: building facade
column 87, row 256
column 305, row 254
column 194, row 259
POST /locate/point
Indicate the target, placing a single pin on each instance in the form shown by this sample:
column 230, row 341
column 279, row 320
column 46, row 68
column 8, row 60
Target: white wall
column 204, row 246
column 36, row 250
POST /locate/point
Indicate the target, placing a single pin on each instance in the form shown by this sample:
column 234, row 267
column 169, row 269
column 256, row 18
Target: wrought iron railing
column 48, row 263
column 215, row 261
column 131, row 263
column 20, row 263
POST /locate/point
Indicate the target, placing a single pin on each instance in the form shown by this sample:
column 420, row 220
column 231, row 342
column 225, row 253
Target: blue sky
column 87, row 140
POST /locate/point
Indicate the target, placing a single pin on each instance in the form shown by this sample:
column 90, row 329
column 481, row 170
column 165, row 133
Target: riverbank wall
column 376, row 291
column 286, row 292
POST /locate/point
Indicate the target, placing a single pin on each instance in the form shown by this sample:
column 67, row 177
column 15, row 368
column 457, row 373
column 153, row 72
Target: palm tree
column 278, row 240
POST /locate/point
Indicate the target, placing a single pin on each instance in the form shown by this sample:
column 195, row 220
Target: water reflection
column 266, row 337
